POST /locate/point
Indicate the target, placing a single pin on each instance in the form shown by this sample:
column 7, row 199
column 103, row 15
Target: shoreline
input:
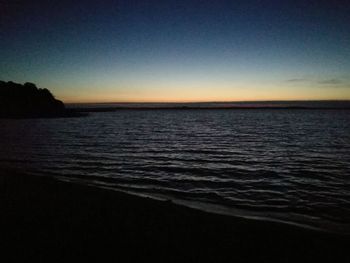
column 220, row 210
column 43, row 216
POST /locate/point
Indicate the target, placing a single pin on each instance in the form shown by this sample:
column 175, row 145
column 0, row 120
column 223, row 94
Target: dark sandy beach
column 47, row 220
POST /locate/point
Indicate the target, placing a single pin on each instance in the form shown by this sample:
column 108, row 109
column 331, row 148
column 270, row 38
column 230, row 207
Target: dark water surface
column 286, row 165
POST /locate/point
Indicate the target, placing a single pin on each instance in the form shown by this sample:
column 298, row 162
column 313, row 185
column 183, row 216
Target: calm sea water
column 286, row 165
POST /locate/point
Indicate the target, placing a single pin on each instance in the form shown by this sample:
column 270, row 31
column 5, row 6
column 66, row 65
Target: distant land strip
column 110, row 109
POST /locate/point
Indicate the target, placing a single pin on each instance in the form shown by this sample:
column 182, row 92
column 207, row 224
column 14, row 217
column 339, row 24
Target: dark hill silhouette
column 27, row 101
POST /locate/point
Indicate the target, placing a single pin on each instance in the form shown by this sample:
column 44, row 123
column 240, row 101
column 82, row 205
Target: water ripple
column 284, row 165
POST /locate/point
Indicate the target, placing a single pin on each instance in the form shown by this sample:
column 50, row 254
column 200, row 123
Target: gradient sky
column 106, row 51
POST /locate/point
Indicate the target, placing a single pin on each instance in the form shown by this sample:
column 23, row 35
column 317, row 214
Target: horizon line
column 197, row 102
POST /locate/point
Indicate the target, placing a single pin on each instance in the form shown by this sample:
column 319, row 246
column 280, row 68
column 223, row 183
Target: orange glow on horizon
column 206, row 99
column 90, row 101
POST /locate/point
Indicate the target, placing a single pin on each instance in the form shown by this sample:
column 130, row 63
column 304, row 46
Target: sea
column 290, row 165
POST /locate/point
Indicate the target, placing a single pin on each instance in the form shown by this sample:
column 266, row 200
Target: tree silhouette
column 17, row 101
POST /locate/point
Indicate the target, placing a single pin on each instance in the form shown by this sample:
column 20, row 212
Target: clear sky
column 133, row 50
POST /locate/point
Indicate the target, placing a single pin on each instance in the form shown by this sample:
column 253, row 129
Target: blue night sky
column 106, row 51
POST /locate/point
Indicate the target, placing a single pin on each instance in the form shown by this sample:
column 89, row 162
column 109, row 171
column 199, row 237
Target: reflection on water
column 291, row 165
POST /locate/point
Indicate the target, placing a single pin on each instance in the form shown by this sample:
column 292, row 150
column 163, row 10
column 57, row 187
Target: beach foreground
column 45, row 219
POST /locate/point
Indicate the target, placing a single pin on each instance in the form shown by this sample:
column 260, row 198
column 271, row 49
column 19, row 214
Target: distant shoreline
column 111, row 109
column 214, row 102
column 247, row 105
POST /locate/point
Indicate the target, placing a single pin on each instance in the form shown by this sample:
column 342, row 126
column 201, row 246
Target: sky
column 178, row 51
